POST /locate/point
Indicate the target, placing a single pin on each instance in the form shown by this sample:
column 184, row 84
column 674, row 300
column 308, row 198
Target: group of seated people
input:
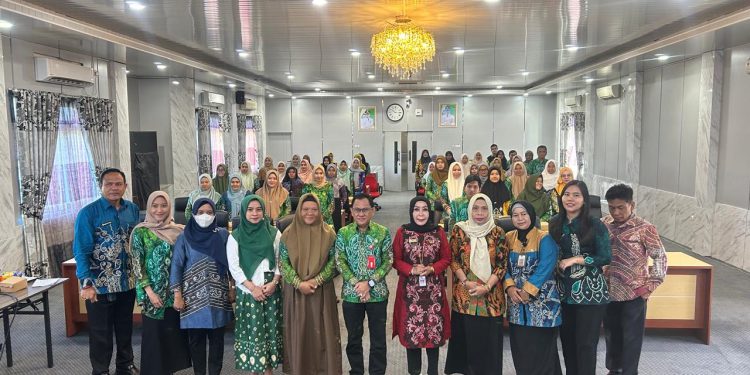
column 276, row 284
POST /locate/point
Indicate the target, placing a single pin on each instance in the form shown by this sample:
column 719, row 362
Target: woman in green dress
column 434, row 182
column 534, row 194
column 323, row 190
column 275, row 197
column 205, row 190
column 164, row 346
column 252, row 254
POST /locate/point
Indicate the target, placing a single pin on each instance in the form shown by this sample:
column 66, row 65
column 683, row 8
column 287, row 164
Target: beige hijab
column 167, row 230
column 308, row 244
column 274, row 197
column 479, row 259
column 305, row 172
column 455, row 185
column 517, row 183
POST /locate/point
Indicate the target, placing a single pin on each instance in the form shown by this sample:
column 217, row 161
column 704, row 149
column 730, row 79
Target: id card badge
column 521, row 261
column 371, row 262
column 422, row 280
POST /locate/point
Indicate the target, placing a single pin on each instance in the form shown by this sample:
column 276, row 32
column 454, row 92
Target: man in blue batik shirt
column 105, row 271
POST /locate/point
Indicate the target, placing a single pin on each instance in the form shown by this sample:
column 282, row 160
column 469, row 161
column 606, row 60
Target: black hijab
column 426, row 160
column 497, row 191
column 429, row 226
column 532, row 217
column 449, row 157
column 209, row 241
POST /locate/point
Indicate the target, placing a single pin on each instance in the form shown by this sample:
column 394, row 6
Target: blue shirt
column 101, row 245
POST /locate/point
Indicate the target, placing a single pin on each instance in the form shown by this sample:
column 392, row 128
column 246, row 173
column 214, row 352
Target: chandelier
column 402, row 48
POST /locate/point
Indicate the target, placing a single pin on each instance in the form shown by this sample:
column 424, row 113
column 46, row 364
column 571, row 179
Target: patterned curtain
column 257, row 126
column 204, row 141
column 572, row 128
column 35, row 117
column 230, row 154
column 97, row 120
column 241, row 134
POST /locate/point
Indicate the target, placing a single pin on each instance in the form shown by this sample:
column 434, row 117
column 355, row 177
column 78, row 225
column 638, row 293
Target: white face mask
column 204, row 220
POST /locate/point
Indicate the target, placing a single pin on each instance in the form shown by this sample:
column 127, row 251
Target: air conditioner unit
column 609, row 92
column 250, row 104
column 210, row 99
column 573, row 101
column 62, row 72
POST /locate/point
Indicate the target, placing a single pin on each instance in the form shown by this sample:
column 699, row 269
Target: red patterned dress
column 421, row 317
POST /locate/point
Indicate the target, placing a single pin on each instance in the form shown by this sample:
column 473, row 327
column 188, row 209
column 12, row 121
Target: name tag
column 422, row 280
column 521, row 261
column 371, row 262
column 413, row 240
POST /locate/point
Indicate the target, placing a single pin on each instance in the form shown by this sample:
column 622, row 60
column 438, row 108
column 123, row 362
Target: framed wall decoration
column 447, row 115
column 366, row 118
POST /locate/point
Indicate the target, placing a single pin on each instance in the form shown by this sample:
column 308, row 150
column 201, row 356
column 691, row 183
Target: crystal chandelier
column 402, row 48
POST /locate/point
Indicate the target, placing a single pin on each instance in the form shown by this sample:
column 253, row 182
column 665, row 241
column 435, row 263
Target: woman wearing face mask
column 422, row 163
column 357, row 176
column 536, row 196
column 275, row 198
column 292, row 183
column 246, row 176
column 517, row 180
column 252, row 253
column 584, row 249
column 421, row 314
column 312, row 337
column 305, row 172
column 322, row 190
column 233, row 196
column 533, row 298
column 205, row 190
column 221, row 181
column 498, row 192
column 164, row 347
column 435, row 180
column 479, row 261
column 199, row 264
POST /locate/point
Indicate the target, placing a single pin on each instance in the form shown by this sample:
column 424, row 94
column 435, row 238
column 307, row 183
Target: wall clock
column 395, row 112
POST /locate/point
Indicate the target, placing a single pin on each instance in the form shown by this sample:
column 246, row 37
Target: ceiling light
column 135, row 5
column 216, row 49
column 232, row 85
column 491, row 1
column 458, row 51
column 243, row 54
column 294, row 97
column 175, row 83
column 317, row 89
column 663, row 58
column 161, row 67
column 470, row 95
column 157, row 63
column 290, row 76
column 589, row 80
column 127, row 71
column 371, row 76
column 446, row 75
column 548, row 92
column 524, row 74
column 408, row 96
column 322, row 90
column 499, row 87
column 526, row 95
column 380, row 89
column 270, row 95
column 319, row 3
column 437, row 88
column 355, row 53
column 5, row 24
column 348, row 97
column 572, row 48
column 402, row 48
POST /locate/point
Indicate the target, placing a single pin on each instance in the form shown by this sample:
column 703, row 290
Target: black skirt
column 476, row 345
column 164, row 346
column 534, row 350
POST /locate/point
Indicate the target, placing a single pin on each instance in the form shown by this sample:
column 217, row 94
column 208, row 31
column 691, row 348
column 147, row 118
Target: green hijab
column 255, row 241
column 538, row 198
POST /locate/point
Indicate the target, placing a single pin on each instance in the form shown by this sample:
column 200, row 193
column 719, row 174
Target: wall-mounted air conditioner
column 609, row 92
column 250, row 104
column 60, row 72
column 573, row 101
column 210, row 99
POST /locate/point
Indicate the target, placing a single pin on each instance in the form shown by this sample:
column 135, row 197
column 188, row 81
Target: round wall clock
column 395, row 112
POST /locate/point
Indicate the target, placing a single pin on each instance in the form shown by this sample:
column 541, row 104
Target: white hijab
column 455, row 185
column 550, row 179
column 479, row 259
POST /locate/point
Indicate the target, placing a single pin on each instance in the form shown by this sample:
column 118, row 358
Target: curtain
column 572, row 128
column 217, row 141
column 35, row 116
column 230, row 153
column 97, row 120
column 251, row 143
column 204, row 141
column 241, row 141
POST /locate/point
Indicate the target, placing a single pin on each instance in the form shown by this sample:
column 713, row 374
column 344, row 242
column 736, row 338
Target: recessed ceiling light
column 5, row 24
column 459, row 51
column 446, row 75
column 548, row 92
column 243, row 54
column 499, row 87
column 290, row 76
column 470, row 95
column 355, row 53
column 589, row 80
column 175, row 83
column 572, row 48
column 371, row 76
column 491, row 1
column 524, row 74
column 525, row 95
column 232, row 85
column 663, row 58
column 161, row 67
column 294, row 97
column 317, row 89
column 270, row 95
column 135, row 5
column 348, row 97
column 217, row 49
column 380, row 89
column 437, row 88
column 322, row 90
column 157, row 63
column 319, row 3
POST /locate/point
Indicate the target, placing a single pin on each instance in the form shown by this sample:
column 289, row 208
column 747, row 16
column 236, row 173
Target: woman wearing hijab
column 550, row 175
column 474, row 170
column 517, row 181
column 232, row 198
column 421, row 314
column 292, row 183
column 336, row 185
column 536, row 196
column 281, row 168
column 305, row 171
column 422, row 163
column 365, row 164
column 503, row 160
column 484, row 172
column 312, row 337
column 565, row 176
column 164, row 347
column 345, row 175
column 584, row 293
column 435, row 180
column 357, row 176
column 199, row 264
column 205, row 190
column 430, row 169
column 275, row 198
column 252, row 253
column 323, row 190
column 221, row 181
column 453, row 187
column 465, row 164
column 497, row 191
column 478, row 159
column 479, row 260
column 295, row 161
column 449, row 157
column 496, row 162
column 533, row 298
column 246, row 176
column 267, row 164
column 326, row 161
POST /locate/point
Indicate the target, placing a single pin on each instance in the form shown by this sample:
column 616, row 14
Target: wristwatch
column 371, row 283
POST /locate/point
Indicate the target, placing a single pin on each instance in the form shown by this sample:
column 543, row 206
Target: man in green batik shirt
column 536, row 166
column 364, row 256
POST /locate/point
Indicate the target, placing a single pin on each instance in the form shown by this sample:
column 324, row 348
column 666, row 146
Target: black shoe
column 131, row 370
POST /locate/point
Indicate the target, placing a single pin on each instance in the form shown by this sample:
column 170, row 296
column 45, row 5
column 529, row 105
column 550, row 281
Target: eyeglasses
column 361, row 211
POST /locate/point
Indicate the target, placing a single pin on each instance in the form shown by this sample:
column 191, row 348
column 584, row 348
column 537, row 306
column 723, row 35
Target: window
column 251, row 146
column 73, row 183
column 217, row 141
